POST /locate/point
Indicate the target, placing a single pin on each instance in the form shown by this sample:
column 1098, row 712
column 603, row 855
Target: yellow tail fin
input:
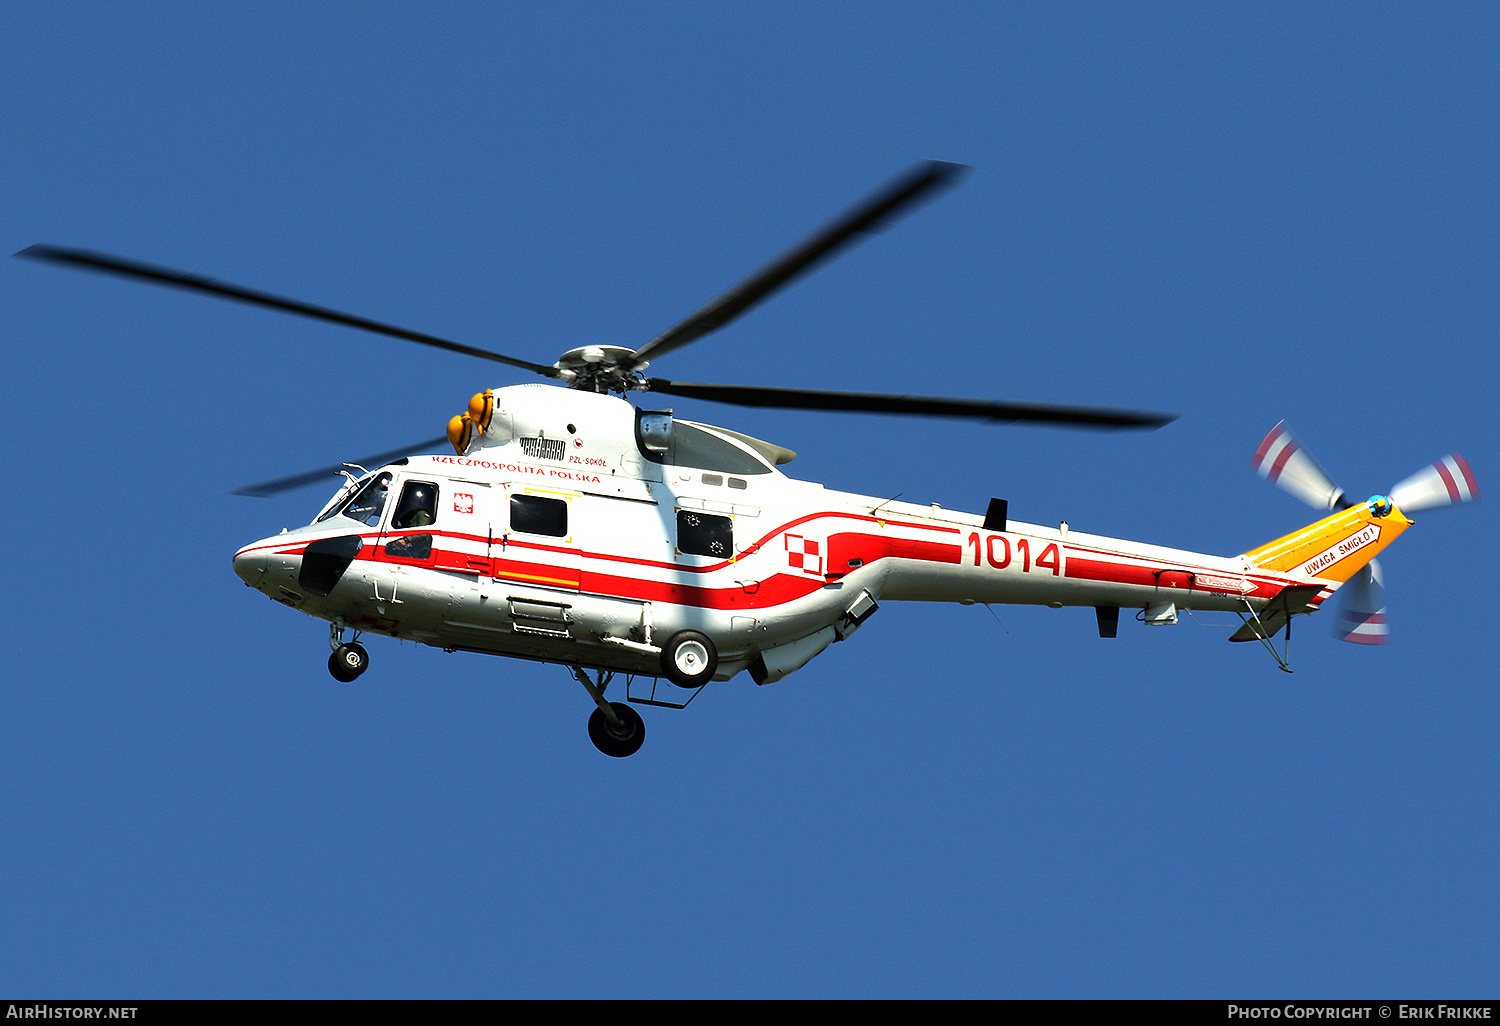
column 1336, row 547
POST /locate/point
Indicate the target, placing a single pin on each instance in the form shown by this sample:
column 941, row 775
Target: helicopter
column 575, row 527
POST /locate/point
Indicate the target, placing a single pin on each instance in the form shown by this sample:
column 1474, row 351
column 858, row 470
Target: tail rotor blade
column 1283, row 462
column 1361, row 613
column 1447, row 482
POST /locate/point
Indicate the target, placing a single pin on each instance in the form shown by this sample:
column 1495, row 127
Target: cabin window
column 537, row 514
column 703, row 534
column 418, row 506
column 413, row 546
column 368, row 503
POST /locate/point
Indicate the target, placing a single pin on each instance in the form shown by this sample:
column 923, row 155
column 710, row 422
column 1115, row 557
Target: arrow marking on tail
column 1334, row 553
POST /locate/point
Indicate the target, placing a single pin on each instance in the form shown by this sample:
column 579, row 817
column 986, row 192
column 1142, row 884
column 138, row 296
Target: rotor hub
column 601, row 369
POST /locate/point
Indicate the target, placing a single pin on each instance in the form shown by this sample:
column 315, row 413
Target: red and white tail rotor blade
column 1283, row 462
column 1447, row 482
column 1361, row 610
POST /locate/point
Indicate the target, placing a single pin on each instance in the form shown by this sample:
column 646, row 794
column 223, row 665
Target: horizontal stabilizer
column 1289, row 601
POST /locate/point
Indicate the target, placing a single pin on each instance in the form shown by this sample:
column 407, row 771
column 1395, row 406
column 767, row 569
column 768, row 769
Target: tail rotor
column 1362, row 614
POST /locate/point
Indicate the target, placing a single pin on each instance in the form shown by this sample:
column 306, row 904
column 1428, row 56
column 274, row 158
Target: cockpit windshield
column 367, row 504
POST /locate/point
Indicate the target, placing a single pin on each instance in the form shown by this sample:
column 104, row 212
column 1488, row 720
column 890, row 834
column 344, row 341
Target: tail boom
column 1333, row 549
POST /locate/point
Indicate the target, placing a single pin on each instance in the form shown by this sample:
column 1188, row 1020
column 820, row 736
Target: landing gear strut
column 615, row 728
column 348, row 660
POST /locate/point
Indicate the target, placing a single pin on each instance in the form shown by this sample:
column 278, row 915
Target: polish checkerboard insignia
column 804, row 554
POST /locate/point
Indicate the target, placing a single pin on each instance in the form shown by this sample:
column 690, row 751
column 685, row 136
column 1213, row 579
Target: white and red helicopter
column 571, row 526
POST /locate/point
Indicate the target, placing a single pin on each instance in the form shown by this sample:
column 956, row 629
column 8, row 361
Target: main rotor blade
column 872, row 215
column 286, row 484
column 107, row 264
column 928, row 406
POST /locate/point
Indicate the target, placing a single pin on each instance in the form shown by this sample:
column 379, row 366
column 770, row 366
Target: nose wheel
column 349, row 659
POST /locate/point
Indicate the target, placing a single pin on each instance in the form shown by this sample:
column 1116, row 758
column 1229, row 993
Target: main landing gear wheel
column 626, row 739
column 689, row 659
column 348, row 662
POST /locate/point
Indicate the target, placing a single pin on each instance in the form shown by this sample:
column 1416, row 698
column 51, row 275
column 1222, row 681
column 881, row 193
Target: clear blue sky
column 1240, row 213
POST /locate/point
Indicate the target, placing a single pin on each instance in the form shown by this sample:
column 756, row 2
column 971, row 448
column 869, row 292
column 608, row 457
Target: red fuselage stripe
column 854, row 547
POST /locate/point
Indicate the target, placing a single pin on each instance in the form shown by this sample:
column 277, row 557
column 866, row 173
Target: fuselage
column 575, row 529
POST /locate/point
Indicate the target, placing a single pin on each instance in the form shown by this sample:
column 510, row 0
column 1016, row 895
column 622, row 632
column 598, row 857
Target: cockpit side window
column 418, row 506
column 368, row 503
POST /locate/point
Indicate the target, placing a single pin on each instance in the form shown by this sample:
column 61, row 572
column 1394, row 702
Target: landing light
column 481, row 409
column 460, row 432
column 461, row 429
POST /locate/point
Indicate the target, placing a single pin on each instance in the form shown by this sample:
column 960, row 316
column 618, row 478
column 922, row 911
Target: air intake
column 544, row 448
